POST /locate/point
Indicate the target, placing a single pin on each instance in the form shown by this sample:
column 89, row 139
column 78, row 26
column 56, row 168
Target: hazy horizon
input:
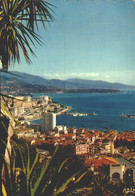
column 70, row 78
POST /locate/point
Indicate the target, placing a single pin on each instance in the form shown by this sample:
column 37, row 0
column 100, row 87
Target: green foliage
column 4, row 123
column 100, row 185
column 57, row 176
column 18, row 19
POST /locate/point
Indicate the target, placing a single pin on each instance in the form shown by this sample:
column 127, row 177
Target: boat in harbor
column 81, row 114
column 128, row 115
column 94, row 114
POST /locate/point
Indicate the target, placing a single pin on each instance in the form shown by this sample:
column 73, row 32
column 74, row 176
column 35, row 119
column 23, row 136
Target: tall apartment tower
column 48, row 122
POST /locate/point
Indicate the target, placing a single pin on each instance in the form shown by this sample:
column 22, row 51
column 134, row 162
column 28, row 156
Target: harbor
column 81, row 114
column 128, row 115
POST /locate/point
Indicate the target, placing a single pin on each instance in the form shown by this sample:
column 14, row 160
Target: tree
column 19, row 21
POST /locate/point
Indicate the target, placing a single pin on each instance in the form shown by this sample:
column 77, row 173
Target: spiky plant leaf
column 38, row 186
column 4, row 190
column 18, row 20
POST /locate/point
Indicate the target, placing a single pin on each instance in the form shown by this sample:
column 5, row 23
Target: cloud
column 127, row 77
column 85, row 74
column 72, row 75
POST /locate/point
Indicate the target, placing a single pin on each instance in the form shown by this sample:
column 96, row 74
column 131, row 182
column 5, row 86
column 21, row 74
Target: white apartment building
column 48, row 122
column 81, row 149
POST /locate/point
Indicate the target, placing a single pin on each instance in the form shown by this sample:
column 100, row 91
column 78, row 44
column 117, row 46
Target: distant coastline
column 91, row 91
column 27, row 84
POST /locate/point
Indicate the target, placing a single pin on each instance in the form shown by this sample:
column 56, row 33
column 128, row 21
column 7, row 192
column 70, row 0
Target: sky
column 89, row 39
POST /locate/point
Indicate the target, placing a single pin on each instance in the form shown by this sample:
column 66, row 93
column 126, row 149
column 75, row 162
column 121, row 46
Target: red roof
column 99, row 162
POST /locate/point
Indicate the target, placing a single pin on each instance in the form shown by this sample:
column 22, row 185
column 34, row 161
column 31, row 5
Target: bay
column 108, row 106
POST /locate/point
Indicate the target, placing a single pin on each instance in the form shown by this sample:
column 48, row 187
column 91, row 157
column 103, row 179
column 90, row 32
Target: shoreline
column 64, row 111
column 106, row 118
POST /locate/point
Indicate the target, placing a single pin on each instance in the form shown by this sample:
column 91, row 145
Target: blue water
column 109, row 107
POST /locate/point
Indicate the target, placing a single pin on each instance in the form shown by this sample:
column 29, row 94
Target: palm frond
column 18, row 20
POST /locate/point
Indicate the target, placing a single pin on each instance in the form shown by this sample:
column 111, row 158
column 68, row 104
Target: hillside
column 27, row 83
column 99, row 84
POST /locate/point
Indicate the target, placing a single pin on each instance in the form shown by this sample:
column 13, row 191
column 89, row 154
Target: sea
column 107, row 106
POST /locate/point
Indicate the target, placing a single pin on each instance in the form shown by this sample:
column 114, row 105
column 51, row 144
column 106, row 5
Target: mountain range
column 30, row 83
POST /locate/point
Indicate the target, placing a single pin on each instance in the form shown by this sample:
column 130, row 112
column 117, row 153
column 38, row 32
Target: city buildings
column 108, row 152
column 45, row 99
column 81, row 149
column 48, row 121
